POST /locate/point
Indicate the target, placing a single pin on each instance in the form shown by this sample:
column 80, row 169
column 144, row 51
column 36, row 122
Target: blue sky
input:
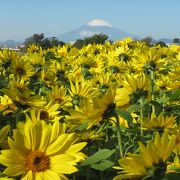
column 20, row 19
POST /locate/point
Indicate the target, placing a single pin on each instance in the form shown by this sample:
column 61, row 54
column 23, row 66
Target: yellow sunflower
column 47, row 77
column 148, row 59
column 102, row 81
column 122, row 122
column 33, row 48
column 79, row 90
column 6, row 105
column 174, row 167
column 176, row 132
column 59, row 95
column 84, row 113
column 43, row 151
column 3, row 137
column 136, row 82
column 37, row 59
column 22, row 69
column 24, row 98
column 175, row 77
column 60, row 68
column 151, row 161
column 92, row 112
column 115, row 66
column 6, row 178
column 122, row 97
column 62, row 51
column 159, row 122
column 91, row 135
column 49, row 112
column 7, row 56
column 165, row 83
column 123, row 53
column 134, row 88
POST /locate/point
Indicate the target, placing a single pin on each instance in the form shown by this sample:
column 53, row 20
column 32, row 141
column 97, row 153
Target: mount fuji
column 95, row 26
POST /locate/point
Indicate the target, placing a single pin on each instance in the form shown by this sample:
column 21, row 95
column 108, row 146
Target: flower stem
column 141, row 115
column 121, row 151
column 152, row 89
column 88, row 173
column 74, row 177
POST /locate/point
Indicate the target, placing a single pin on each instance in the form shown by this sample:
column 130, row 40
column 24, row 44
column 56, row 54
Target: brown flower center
column 59, row 100
column 20, row 71
column 177, row 140
column 44, row 115
column 37, row 161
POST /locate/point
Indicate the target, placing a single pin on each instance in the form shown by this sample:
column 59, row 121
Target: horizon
column 21, row 19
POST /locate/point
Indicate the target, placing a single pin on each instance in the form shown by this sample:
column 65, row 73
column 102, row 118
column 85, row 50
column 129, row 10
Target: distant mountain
column 166, row 40
column 10, row 44
column 95, row 26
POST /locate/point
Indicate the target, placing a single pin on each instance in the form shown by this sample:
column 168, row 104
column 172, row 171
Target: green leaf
column 175, row 168
column 124, row 114
column 97, row 157
column 43, row 90
column 172, row 176
column 101, row 166
column 134, row 107
column 175, row 95
column 2, row 175
column 82, row 127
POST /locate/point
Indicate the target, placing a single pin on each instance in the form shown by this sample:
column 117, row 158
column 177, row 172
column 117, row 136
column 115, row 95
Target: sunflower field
column 106, row 112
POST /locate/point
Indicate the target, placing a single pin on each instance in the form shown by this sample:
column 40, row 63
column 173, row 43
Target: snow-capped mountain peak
column 99, row 22
column 95, row 26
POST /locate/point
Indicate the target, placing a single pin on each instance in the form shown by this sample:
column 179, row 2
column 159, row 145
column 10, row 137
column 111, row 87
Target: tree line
column 45, row 43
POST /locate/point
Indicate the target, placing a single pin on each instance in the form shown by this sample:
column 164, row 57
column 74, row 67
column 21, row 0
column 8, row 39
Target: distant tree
column 148, row 40
column 38, row 37
column 45, row 43
column 161, row 43
column 35, row 39
column 79, row 43
column 176, row 40
column 95, row 39
column 55, row 42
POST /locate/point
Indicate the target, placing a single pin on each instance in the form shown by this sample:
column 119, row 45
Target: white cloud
column 99, row 22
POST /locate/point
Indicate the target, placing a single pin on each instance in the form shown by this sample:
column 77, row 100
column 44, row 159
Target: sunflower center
column 177, row 140
column 58, row 99
column 76, row 100
column 114, row 69
column 103, row 88
column 20, row 71
column 157, row 171
column 123, row 57
column 109, row 111
column 46, row 79
column 37, row 161
column 44, row 115
column 135, row 96
column 85, row 66
column 151, row 66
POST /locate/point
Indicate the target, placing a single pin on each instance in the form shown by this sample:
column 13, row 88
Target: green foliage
column 95, row 39
column 161, row 44
column 125, row 114
column 175, row 95
column 40, row 40
column 172, row 176
column 102, row 165
column 99, row 160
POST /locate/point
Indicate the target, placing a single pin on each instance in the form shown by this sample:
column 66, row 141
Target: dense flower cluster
column 115, row 97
